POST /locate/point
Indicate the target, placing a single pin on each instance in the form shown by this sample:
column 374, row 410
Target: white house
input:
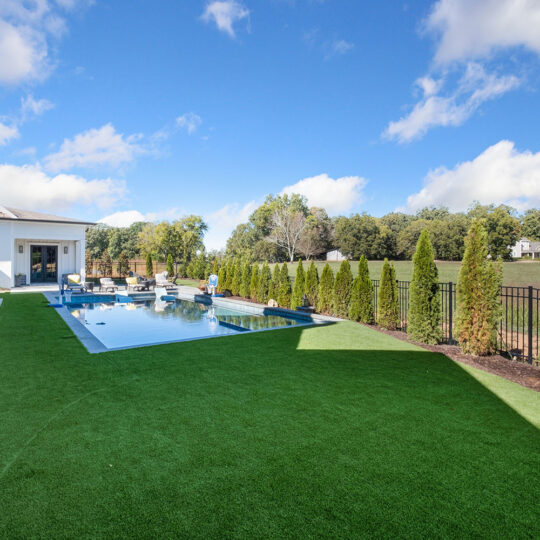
column 526, row 248
column 335, row 255
column 39, row 246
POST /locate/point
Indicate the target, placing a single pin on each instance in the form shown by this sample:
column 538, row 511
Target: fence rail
column 519, row 329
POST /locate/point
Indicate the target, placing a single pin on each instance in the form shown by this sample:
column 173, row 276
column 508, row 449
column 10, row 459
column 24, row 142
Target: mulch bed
column 518, row 372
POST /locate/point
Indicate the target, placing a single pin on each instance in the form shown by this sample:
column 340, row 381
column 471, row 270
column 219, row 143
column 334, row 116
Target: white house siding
column 26, row 233
column 335, row 255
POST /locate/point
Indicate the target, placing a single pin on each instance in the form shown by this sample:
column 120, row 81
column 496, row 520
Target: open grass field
column 334, row 431
column 515, row 273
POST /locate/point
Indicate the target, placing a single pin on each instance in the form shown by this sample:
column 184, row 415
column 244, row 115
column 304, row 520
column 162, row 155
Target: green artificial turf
column 335, row 431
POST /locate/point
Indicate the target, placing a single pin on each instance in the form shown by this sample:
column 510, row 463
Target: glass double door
column 44, row 263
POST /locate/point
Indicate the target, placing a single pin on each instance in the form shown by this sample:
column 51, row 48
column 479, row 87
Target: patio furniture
column 162, row 281
column 107, row 284
column 133, row 283
column 73, row 283
column 212, row 284
column 145, row 282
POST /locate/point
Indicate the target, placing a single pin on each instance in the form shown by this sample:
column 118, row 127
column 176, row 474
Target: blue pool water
column 132, row 324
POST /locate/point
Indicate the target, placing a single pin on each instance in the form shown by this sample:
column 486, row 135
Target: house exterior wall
column 25, row 233
column 335, row 255
column 525, row 247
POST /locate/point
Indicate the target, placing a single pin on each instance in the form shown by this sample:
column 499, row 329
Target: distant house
column 526, row 248
column 335, row 255
column 39, row 248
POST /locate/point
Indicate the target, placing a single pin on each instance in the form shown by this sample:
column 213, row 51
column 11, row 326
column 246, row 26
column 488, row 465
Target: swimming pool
column 147, row 322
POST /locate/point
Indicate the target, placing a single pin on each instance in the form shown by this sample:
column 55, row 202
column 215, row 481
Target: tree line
column 284, row 228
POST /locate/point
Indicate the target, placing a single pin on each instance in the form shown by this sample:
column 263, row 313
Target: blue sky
column 125, row 110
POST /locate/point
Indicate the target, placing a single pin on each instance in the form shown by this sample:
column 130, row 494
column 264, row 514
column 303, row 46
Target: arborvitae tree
column 246, row 280
column 388, row 308
column 149, row 265
column 361, row 306
column 230, row 275
column 123, row 265
column 274, row 285
column 215, row 267
column 326, row 289
column 263, row 287
column 170, row 265
column 237, row 279
column 299, row 286
column 254, row 283
column 222, row 278
column 342, row 290
column 311, row 288
column 284, row 296
column 478, row 287
column 424, row 320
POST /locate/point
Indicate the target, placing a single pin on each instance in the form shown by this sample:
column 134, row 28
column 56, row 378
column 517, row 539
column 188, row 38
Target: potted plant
column 20, row 280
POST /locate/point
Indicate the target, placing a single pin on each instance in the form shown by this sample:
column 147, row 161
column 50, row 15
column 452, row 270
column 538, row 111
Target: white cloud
column 7, row 133
column 34, row 107
column 31, row 188
column 475, row 87
column 335, row 195
column 23, row 54
column 476, row 28
column 338, row 47
column 190, row 121
column 95, row 147
column 225, row 14
column 127, row 217
column 500, row 174
column 222, row 222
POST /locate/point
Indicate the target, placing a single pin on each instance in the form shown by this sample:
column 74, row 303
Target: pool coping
column 94, row 346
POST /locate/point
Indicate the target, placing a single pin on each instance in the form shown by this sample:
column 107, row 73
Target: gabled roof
column 14, row 214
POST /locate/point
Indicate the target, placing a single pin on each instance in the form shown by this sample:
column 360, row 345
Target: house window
column 21, row 249
column 65, row 250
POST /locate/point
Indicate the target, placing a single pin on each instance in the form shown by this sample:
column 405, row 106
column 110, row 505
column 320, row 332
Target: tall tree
column 97, row 240
column 342, row 289
column 356, row 235
column 312, row 284
column 222, row 278
column 316, row 238
column 388, row 306
column 149, row 265
column 326, row 289
column 170, row 265
column 284, row 298
column 123, row 265
column 274, row 285
column 424, row 320
column 531, row 224
column 288, row 222
column 361, row 306
column 478, row 288
column 246, row 280
column 263, row 287
column 299, row 286
column 254, row 283
column 237, row 279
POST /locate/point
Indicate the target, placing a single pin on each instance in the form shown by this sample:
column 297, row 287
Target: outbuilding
column 38, row 248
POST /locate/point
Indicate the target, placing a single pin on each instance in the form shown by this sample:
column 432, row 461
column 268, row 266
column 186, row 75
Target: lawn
column 334, row 431
column 515, row 273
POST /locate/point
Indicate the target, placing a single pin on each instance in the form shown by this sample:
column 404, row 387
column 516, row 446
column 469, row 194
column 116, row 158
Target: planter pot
column 20, row 280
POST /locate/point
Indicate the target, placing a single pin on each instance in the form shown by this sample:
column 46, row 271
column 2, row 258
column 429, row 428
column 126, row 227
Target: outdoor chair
column 134, row 284
column 145, row 282
column 162, row 281
column 107, row 284
column 73, row 283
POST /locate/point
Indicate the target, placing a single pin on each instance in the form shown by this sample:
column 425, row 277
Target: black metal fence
column 519, row 328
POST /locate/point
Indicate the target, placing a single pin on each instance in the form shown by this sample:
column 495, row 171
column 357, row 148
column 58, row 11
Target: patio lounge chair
column 134, row 284
column 73, row 283
column 162, row 281
column 145, row 282
column 107, row 284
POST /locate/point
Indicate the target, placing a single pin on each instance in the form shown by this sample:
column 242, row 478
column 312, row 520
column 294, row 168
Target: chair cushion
column 74, row 278
column 132, row 281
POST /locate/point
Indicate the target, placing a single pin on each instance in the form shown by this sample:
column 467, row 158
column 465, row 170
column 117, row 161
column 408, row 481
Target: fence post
column 450, row 312
column 530, row 327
